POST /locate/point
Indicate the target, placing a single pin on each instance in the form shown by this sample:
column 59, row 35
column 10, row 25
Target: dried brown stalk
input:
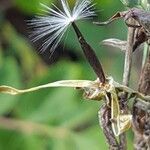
column 104, row 116
column 126, row 78
column 141, row 115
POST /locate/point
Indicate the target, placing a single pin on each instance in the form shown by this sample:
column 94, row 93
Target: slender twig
column 126, row 77
column 128, row 56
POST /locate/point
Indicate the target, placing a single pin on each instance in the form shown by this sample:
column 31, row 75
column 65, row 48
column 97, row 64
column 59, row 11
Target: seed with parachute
column 52, row 24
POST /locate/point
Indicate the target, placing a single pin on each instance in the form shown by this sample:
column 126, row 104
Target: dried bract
column 142, row 19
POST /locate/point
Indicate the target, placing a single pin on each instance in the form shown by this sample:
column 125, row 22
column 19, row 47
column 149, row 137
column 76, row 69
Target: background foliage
column 67, row 122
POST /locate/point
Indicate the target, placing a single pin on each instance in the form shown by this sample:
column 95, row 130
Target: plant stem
column 141, row 117
column 104, row 115
column 128, row 56
column 126, row 78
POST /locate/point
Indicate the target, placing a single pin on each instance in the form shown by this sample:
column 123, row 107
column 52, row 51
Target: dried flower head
column 52, row 26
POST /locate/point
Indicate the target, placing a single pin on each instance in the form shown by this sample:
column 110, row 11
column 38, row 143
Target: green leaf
column 32, row 102
column 54, row 109
column 17, row 141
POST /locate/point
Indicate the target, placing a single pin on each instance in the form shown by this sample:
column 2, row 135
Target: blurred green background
column 59, row 118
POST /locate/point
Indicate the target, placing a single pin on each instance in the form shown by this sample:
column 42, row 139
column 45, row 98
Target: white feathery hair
column 52, row 26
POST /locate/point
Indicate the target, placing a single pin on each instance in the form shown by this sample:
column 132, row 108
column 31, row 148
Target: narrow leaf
column 65, row 83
